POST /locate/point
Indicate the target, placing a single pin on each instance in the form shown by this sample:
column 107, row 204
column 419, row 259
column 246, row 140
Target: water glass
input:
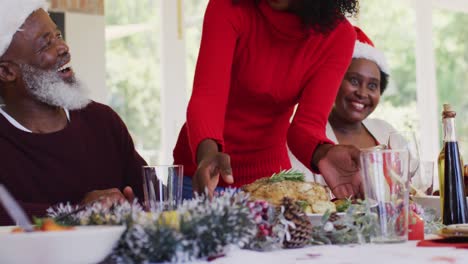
column 162, row 186
column 386, row 187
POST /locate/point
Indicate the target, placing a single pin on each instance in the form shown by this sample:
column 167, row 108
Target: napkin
column 459, row 242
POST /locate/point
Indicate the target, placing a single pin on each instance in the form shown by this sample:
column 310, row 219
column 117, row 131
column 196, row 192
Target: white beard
column 49, row 88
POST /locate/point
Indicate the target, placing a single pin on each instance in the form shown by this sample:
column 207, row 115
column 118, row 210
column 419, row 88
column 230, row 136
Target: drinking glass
column 423, row 181
column 162, row 186
column 406, row 140
column 386, row 187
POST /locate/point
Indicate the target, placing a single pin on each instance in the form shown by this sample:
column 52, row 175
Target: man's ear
column 8, row 71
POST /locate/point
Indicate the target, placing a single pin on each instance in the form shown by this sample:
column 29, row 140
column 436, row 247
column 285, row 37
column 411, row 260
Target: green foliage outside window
column 133, row 70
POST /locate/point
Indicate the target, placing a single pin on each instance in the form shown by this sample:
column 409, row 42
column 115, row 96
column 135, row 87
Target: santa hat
column 13, row 14
column 365, row 49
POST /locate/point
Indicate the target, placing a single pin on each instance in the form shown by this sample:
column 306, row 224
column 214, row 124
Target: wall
column 85, row 34
column 86, row 38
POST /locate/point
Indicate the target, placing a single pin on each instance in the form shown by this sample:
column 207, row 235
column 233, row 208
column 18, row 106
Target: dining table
column 407, row 252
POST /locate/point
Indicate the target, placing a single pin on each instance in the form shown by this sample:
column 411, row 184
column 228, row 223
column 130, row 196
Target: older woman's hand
column 339, row 166
column 108, row 197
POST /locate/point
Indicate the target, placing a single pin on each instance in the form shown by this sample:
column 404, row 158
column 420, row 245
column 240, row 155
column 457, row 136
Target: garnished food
column 287, row 175
column 311, row 197
column 44, row 225
column 342, row 204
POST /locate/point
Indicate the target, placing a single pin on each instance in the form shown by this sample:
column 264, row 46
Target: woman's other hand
column 339, row 166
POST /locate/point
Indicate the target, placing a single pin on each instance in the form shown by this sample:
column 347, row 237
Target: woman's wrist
column 206, row 148
column 319, row 153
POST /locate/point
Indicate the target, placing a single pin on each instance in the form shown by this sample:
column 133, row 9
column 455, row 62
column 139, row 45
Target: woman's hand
column 211, row 165
column 208, row 172
column 339, row 166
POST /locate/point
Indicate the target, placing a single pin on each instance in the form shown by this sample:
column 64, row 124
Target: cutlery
column 14, row 210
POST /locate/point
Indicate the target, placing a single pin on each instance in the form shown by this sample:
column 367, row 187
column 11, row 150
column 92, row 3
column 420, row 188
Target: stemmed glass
column 423, row 181
column 406, row 140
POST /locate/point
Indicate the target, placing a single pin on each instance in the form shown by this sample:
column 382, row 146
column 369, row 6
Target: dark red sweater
column 255, row 64
column 95, row 151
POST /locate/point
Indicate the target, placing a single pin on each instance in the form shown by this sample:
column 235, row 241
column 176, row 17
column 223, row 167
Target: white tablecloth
column 350, row 254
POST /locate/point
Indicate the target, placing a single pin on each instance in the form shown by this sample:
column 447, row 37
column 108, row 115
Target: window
column 194, row 12
column 137, row 30
column 396, row 39
column 132, row 66
column 450, row 43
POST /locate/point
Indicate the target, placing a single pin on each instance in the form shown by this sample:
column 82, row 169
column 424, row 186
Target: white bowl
column 316, row 219
column 430, row 202
column 84, row 245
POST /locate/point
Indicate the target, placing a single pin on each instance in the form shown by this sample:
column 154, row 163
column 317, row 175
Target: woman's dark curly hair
column 322, row 15
column 383, row 81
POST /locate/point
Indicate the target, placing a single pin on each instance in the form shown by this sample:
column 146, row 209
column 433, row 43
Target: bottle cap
column 447, row 107
column 448, row 111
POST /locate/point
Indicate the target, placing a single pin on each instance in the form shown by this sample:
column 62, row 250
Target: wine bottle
column 455, row 209
column 446, row 113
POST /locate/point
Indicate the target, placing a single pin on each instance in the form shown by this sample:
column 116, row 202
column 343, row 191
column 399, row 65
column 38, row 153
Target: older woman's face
column 280, row 5
column 359, row 92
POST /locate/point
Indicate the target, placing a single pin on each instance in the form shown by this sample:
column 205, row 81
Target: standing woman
column 259, row 59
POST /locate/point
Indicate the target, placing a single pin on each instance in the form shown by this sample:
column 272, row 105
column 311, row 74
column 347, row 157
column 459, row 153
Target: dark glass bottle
column 455, row 210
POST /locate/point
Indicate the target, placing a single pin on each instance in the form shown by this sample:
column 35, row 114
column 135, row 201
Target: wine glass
column 423, row 181
column 406, row 140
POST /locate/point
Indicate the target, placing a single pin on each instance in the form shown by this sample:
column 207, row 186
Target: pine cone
column 300, row 235
column 333, row 218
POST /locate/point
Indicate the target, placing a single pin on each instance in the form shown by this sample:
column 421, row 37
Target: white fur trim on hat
column 13, row 13
column 366, row 51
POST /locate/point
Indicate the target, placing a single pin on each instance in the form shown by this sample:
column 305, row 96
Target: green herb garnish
column 302, row 204
column 287, row 175
column 342, row 205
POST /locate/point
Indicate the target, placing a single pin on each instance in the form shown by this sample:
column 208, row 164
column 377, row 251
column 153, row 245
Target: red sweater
column 255, row 64
column 94, row 152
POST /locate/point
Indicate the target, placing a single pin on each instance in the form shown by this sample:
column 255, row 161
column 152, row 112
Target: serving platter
column 84, row 244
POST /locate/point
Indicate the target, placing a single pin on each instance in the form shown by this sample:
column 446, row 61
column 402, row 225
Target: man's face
column 44, row 60
column 42, row 46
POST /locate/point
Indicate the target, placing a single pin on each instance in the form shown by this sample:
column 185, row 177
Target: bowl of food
column 430, row 201
column 312, row 197
column 82, row 244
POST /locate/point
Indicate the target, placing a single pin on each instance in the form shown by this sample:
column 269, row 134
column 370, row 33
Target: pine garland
column 201, row 227
column 355, row 227
column 198, row 229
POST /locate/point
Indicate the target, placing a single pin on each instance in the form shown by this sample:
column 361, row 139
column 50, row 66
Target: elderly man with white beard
column 56, row 145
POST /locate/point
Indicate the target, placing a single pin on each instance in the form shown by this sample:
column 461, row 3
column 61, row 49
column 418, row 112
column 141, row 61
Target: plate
column 316, row 219
column 84, row 244
column 455, row 231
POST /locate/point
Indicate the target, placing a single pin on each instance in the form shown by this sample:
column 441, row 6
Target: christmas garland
column 199, row 229
column 202, row 228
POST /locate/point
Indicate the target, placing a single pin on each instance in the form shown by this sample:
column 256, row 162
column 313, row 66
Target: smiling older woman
column 361, row 88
